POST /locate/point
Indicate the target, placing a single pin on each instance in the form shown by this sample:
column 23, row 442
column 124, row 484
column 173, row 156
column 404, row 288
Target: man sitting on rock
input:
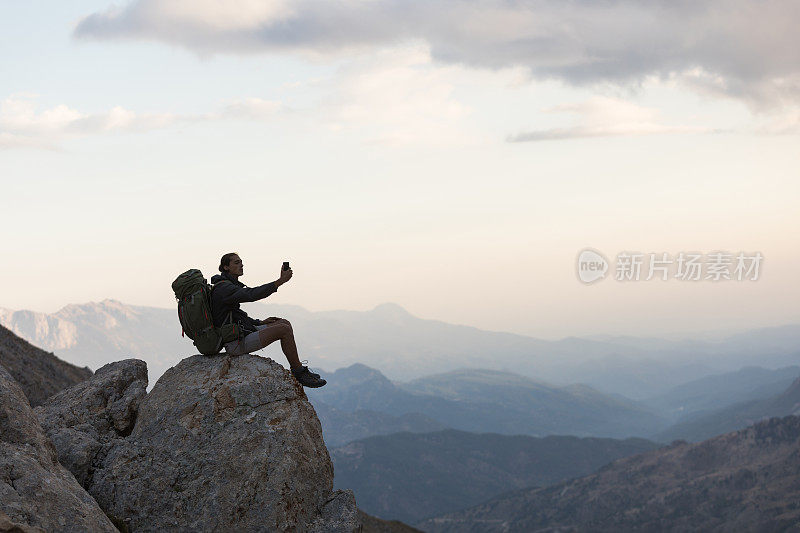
column 229, row 292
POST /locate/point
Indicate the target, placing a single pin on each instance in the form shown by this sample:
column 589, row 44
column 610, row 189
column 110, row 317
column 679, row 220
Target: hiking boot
column 308, row 378
column 305, row 363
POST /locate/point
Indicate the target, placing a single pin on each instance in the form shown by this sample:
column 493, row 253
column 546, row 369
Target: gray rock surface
column 220, row 444
column 36, row 492
column 9, row 526
column 89, row 417
column 339, row 514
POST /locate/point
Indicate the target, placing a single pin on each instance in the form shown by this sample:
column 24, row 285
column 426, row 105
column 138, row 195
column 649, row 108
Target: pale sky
column 453, row 157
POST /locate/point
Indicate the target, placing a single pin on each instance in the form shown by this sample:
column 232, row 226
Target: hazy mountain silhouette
column 407, row 347
column 741, row 481
column 95, row 334
column 409, row 476
column 735, row 417
column 715, row 392
column 490, row 401
column 340, row 427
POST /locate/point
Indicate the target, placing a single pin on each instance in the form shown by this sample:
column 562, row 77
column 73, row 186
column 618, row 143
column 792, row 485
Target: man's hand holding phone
column 286, row 274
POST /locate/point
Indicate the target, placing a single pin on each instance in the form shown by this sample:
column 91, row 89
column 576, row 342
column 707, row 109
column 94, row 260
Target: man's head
column 232, row 264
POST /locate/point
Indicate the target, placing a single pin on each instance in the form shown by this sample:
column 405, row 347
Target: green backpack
column 194, row 312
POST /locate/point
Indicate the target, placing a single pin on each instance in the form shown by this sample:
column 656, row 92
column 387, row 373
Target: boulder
column 220, row 444
column 90, row 416
column 338, row 515
column 36, row 492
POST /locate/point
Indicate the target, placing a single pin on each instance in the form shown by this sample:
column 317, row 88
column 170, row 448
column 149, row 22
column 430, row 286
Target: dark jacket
column 226, row 297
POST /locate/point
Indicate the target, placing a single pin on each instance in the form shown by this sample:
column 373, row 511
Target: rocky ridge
column 40, row 374
column 220, row 443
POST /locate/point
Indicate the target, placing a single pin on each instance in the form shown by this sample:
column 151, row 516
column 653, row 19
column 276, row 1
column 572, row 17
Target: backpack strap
column 229, row 318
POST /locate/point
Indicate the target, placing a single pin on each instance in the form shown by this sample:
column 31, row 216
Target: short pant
column 250, row 343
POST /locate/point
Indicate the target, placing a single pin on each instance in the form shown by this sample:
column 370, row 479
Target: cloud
column 251, row 108
column 23, row 125
column 398, row 96
column 786, row 122
column 740, row 48
column 604, row 117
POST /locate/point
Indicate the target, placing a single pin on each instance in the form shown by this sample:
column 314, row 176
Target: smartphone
column 286, row 265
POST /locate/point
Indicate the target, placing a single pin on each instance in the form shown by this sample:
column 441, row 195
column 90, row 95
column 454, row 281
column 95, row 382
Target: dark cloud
column 742, row 48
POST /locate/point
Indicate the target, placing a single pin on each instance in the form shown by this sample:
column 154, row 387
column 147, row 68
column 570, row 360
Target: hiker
column 229, row 292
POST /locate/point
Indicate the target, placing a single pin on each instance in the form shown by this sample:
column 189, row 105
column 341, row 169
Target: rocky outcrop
column 39, row 373
column 339, row 513
column 220, row 444
column 36, row 492
column 94, row 415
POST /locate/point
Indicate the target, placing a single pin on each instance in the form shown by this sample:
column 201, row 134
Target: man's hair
column 226, row 261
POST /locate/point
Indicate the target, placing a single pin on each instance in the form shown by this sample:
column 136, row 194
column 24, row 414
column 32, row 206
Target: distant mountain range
column 405, row 347
column 360, row 401
column 710, row 393
column 737, row 416
column 409, row 476
column 746, row 480
column 94, row 334
column 340, row 427
column 741, row 481
column 489, row 401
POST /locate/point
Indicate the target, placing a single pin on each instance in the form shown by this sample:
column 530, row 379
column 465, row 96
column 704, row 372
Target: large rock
column 36, row 492
column 338, row 514
column 91, row 416
column 222, row 444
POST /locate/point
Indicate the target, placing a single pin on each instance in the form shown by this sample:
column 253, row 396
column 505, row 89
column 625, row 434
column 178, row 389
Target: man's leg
column 281, row 329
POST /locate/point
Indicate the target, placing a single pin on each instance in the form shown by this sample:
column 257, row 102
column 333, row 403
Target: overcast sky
column 453, row 157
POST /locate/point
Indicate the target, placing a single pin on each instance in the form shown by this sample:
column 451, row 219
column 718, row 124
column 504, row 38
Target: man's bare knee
column 273, row 332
